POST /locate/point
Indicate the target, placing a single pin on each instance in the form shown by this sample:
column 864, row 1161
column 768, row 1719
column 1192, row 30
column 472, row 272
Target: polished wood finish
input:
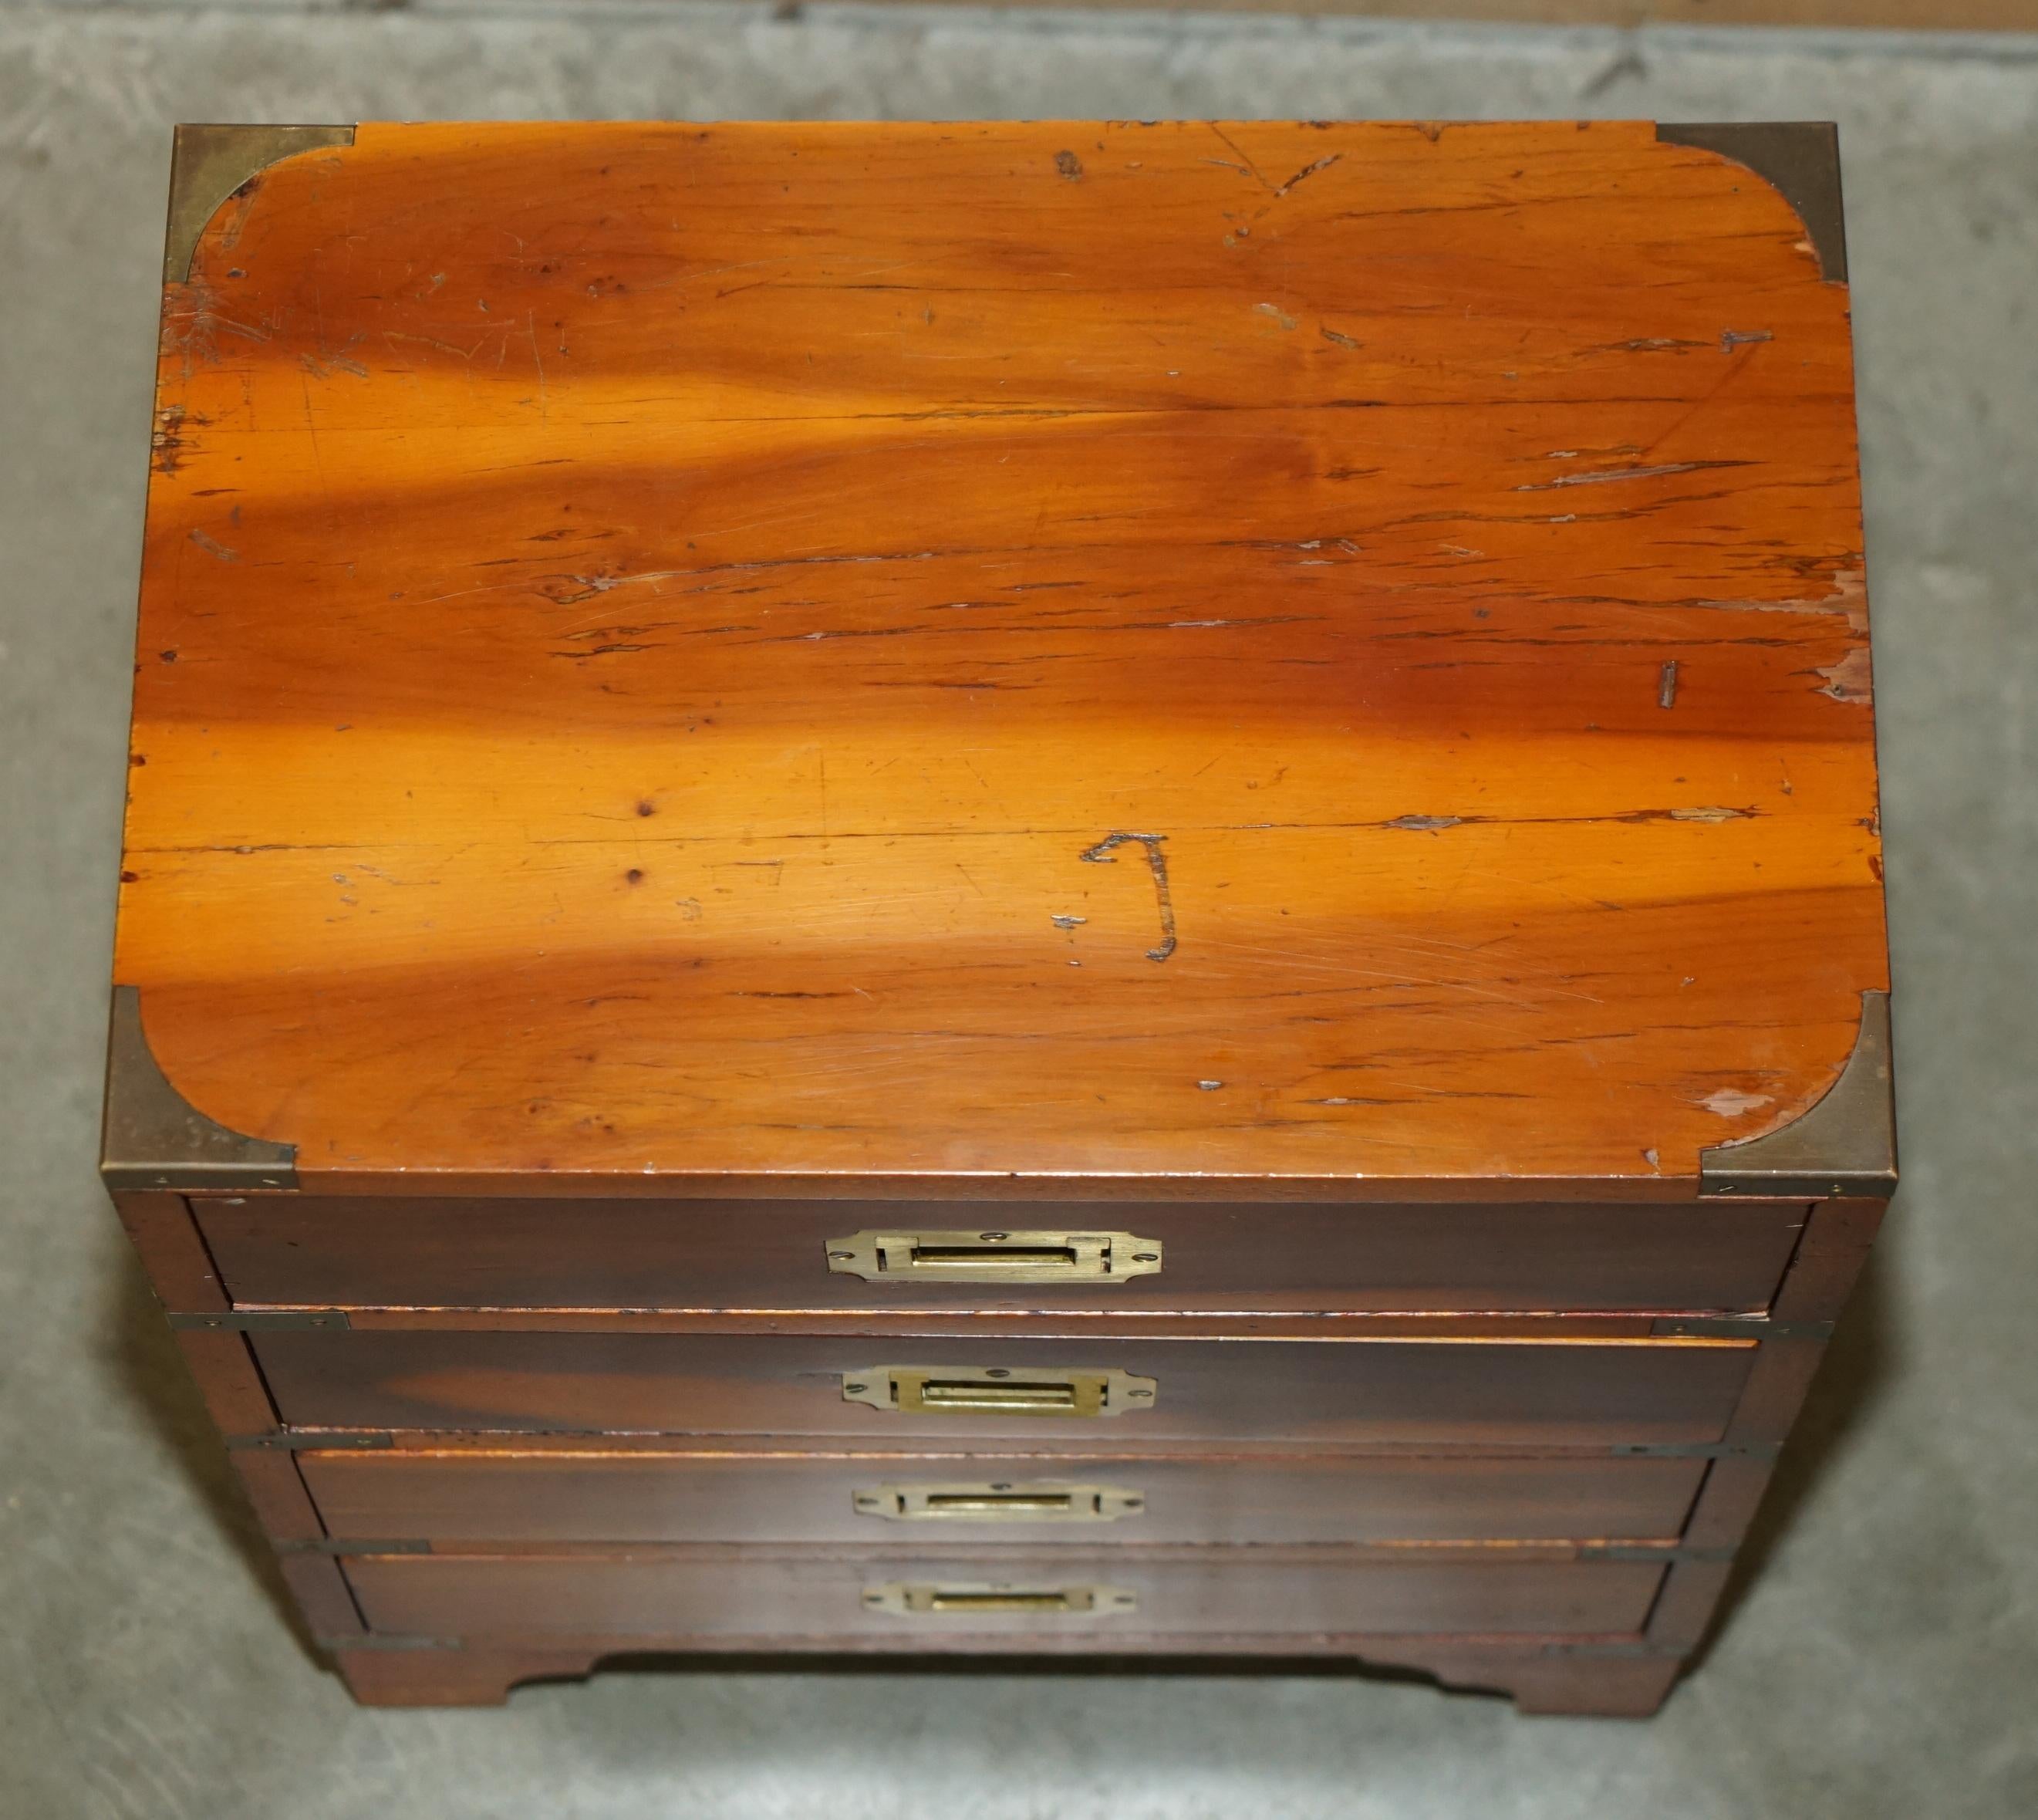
column 310, row 1250
column 1180, row 1594
column 165, row 1235
column 229, row 1381
column 1334, row 1391
column 1298, row 689
column 603, row 1495
column 323, row 1598
column 1055, row 625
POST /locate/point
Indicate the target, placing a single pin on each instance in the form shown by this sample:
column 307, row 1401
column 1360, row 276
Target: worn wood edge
column 1843, row 1144
column 1799, row 159
column 209, row 165
column 153, row 1139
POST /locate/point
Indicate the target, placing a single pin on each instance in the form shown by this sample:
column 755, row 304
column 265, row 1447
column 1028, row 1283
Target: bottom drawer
column 491, row 1494
column 763, row 1592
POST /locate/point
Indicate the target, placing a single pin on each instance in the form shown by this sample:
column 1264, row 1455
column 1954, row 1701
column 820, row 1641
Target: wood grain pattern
column 1334, row 1391
column 601, row 1496
column 903, row 651
column 306, row 1250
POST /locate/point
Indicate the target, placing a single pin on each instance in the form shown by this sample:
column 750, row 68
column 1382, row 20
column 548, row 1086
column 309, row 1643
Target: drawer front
column 501, row 1495
column 1339, row 1392
column 828, row 1255
column 759, row 1594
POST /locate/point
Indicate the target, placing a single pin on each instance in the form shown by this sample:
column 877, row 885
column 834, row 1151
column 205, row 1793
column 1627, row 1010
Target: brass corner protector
column 208, row 164
column 1800, row 159
column 155, row 1139
column 1843, row 1144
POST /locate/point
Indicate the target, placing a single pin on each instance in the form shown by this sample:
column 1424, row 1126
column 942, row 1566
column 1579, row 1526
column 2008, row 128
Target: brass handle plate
column 996, row 1390
column 1039, row 1255
column 922, row 1597
column 1001, row 1501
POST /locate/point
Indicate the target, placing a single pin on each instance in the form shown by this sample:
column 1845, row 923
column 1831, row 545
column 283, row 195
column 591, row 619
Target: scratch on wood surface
column 1604, row 476
column 1848, row 679
column 1731, row 1102
column 1278, row 314
column 1426, row 823
column 1099, row 855
column 212, row 548
column 1309, row 171
column 1666, row 686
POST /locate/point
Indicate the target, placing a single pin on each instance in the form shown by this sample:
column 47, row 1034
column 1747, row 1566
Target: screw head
column 997, row 1371
column 993, row 1237
column 1145, row 1257
column 856, row 1390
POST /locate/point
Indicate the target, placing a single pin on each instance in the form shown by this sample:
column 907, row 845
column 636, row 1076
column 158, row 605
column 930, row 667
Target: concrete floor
column 1883, row 1660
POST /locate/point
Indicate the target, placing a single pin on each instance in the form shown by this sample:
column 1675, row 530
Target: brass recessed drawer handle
column 996, row 1390
column 999, row 1502
column 1040, row 1256
column 910, row 1598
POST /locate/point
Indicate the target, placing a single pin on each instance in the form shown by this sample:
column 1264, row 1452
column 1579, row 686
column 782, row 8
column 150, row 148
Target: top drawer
column 931, row 1257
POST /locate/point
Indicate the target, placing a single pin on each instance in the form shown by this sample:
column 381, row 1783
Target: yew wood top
column 1293, row 652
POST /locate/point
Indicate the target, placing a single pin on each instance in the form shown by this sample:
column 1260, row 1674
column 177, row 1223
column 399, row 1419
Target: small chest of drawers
column 1004, row 888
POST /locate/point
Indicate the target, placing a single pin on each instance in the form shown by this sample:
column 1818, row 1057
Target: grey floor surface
column 1883, row 1661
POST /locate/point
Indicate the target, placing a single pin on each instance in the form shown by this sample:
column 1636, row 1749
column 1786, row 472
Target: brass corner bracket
column 1844, row 1144
column 208, row 164
column 155, row 1139
column 1800, row 159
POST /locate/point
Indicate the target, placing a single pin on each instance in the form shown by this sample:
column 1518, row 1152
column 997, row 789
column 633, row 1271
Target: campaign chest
column 1058, row 888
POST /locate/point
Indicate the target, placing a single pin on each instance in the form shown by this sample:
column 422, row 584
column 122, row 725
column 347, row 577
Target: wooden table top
column 1076, row 657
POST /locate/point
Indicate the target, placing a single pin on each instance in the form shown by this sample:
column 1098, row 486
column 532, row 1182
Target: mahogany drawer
column 492, row 1494
column 1274, row 1257
column 764, row 1593
column 1340, row 1392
